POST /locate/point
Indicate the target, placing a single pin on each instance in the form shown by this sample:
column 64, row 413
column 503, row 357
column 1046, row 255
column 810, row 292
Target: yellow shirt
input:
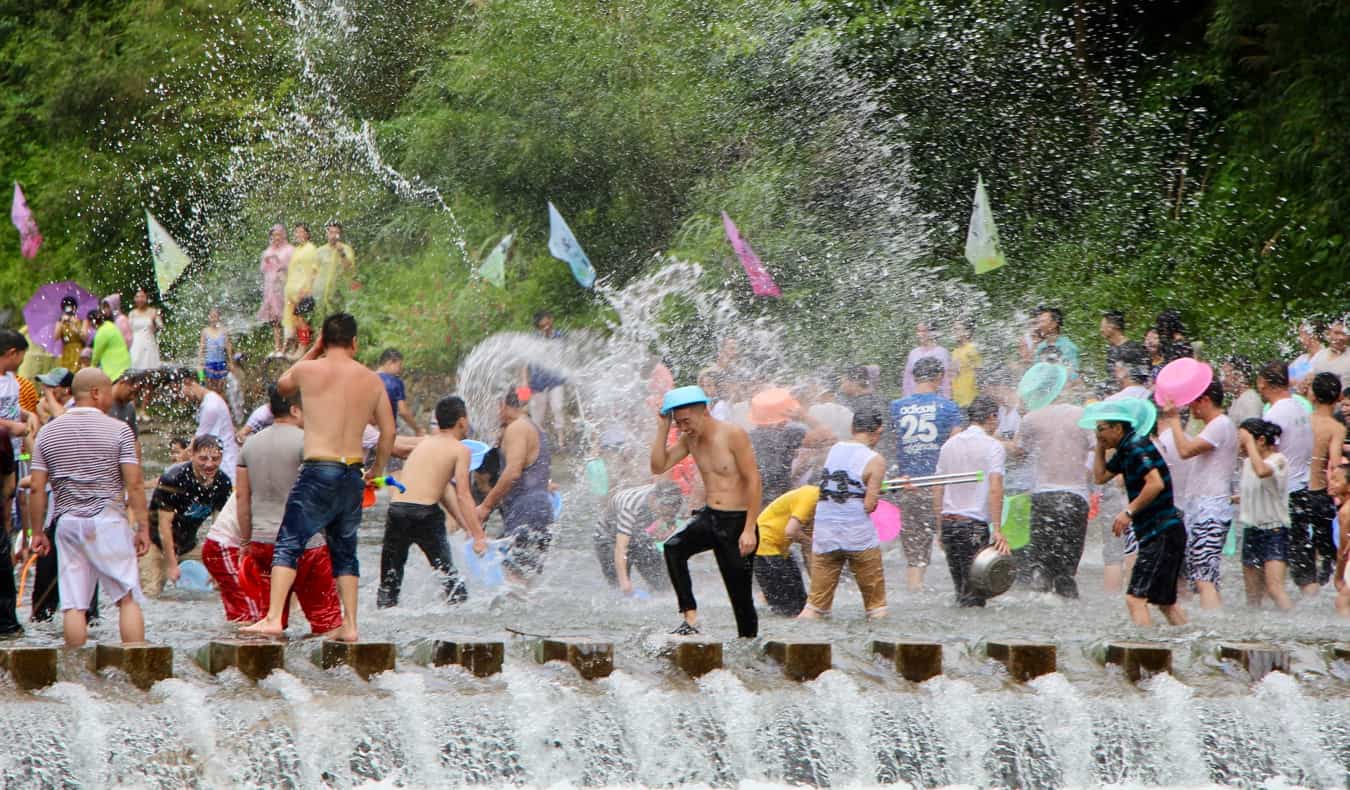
column 300, row 275
column 799, row 503
column 336, row 268
column 967, row 359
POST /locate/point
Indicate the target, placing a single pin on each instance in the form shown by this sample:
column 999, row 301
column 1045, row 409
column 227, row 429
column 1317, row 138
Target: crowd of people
column 780, row 483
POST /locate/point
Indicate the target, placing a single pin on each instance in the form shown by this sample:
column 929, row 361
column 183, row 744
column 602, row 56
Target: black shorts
column 1158, row 567
column 1312, row 552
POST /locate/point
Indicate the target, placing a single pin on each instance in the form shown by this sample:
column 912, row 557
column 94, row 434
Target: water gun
column 368, row 497
column 928, row 481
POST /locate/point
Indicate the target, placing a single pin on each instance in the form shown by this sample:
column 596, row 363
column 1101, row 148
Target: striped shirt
column 82, row 452
column 627, row 513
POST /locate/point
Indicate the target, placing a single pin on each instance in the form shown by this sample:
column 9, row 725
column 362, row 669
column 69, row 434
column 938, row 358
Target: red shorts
column 223, row 564
column 314, row 586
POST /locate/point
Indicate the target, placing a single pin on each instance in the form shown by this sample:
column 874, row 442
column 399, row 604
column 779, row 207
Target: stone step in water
column 479, row 657
column 1258, row 658
column 1024, row 660
column 255, row 658
column 1139, row 659
column 32, row 667
column 592, row 659
column 913, row 660
column 365, row 658
column 694, row 656
column 801, row 660
column 1340, row 652
column 144, row 664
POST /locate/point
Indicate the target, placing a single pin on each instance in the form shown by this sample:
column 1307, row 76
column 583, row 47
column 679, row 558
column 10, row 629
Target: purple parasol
column 44, row 310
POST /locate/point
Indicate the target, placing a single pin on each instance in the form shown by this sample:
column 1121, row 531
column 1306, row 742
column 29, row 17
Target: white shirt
column 1264, row 501
column 971, row 450
column 213, row 417
column 1175, row 467
column 225, row 528
column 1210, row 474
column 845, row 526
column 1296, row 440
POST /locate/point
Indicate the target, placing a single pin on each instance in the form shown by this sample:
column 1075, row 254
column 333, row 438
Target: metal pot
column 991, row 573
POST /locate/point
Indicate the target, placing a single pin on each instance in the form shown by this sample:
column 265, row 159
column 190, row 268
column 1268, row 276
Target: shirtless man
column 522, row 491
column 341, row 396
column 726, row 525
column 1312, row 552
column 435, row 475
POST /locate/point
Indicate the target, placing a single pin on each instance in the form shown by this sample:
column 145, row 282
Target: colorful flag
column 494, row 266
column 564, row 246
column 22, row 217
column 170, row 260
column 761, row 282
column 982, row 249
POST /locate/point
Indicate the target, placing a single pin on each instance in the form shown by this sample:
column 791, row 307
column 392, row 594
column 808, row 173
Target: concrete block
column 367, row 658
column 255, row 658
column 591, row 659
column 31, row 667
column 1340, row 652
column 145, row 664
column 801, row 660
column 1258, row 658
column 1024, row 660
column 480, row 658
column 1139, row 659
column 694, row 657
column 914, row 661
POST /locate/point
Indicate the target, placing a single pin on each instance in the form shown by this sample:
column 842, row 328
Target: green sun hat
column 1041, row 384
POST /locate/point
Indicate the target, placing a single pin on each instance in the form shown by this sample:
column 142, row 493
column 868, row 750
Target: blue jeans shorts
column 1260, row 546
column 326, row 497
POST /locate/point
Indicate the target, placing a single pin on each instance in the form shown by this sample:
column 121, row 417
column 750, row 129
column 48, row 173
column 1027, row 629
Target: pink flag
column 761, row 282
column 29, row 238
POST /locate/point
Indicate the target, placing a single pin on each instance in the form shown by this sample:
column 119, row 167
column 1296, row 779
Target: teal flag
column 494, row 267
column 565, row 247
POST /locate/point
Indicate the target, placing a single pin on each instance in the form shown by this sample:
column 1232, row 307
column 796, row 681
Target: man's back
column 921, row 423
column 83, row 451
column 1328, row 435
column 429, row 469
column 340, row 397
column 1058, row 447
column 273, row 457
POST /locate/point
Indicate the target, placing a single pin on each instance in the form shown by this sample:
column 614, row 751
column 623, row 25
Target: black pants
column 9, row 594
column 961, row 541
column 720, row 531
column 46, row 597
column 781, row 582
column 643, row 558
column 1058, row 529
column 1312, row 552
column 424, row 525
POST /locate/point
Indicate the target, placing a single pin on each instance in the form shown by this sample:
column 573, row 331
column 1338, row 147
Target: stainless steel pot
column 991, row 573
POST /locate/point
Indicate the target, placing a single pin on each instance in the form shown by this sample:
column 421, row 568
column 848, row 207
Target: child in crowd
column 304, row 333
column 1339, row 486
column 1263, row 513
column 215, row 352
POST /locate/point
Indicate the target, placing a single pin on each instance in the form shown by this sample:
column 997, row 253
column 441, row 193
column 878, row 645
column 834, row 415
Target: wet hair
column 1213, row 393
column 1275, row 372
column 856, row 374
column 69, row 300
column 448, row 411
column 305, row 307
column 982, row 409
column 511, row 399
column 1169, row 324
column 928, row 369
column 1115, row 318
column 339, row 329
column 492, row 465
column 1055, row 313
column 1242, row 366
column 867, row 420
column 280, row 404
column 94, row 317
column 205, row 442
column 390, row 355
column 540, row 316
column 1138, row 367
column 303, row 226
column 180, row 442
column 10, row 340
column 333, row 224
column 1326, row 388
column 1260, row 429
column 1122, row 424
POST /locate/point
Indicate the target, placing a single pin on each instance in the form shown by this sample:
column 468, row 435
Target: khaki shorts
column 152, row 568
column 867, row 570
column 916, row 507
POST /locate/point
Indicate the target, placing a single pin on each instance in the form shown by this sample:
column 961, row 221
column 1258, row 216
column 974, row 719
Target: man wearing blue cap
column 435, row 475
column 1156, row 522
column 726, row 525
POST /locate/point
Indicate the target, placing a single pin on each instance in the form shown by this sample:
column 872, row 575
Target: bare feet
column 262, row 628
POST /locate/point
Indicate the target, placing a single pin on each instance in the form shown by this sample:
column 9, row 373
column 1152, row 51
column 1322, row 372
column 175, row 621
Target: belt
column 334, row 459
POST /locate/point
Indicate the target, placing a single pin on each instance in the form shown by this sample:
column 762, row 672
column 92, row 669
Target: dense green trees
column 1139, row 155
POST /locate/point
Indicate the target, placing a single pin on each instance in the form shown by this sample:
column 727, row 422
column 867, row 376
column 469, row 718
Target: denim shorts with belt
column 326, row 497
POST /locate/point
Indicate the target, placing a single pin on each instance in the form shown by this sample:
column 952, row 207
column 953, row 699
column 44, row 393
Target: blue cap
column 477, row 451
column 682, row 396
